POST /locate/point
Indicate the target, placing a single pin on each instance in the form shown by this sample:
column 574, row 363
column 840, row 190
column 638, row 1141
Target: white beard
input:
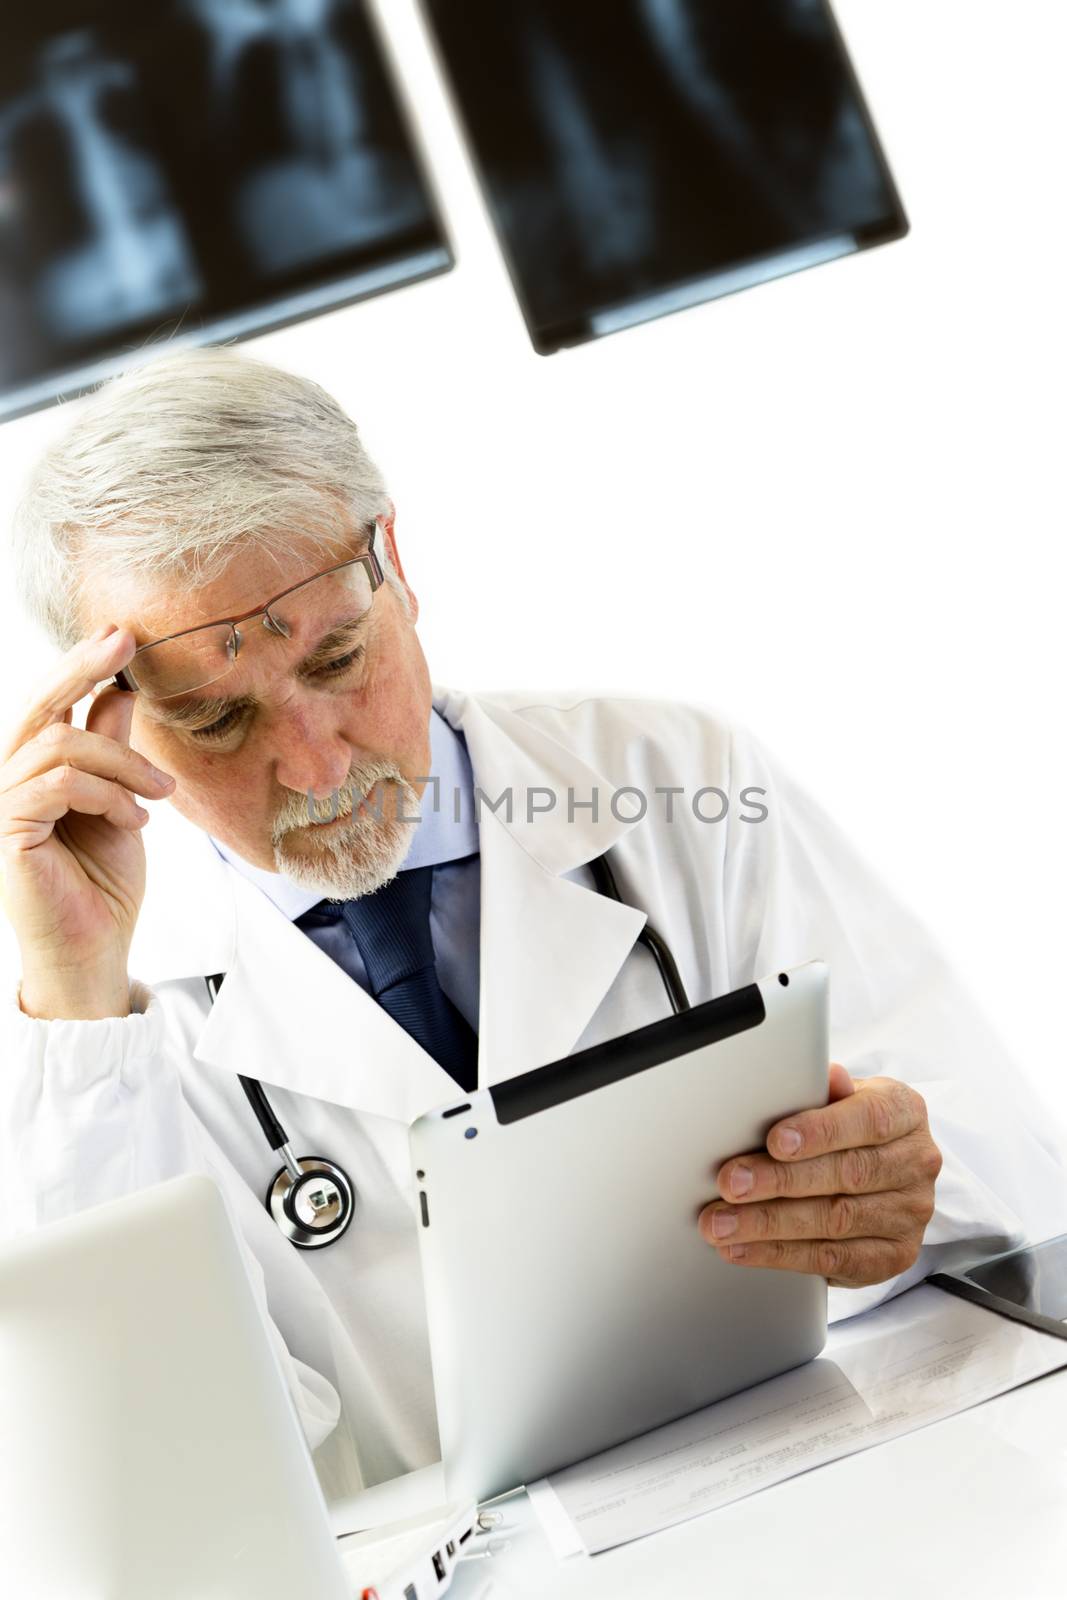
column 361, row 850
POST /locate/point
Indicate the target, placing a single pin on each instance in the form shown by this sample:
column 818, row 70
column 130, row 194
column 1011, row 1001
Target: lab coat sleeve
column 795, row 889
column 91, row 1110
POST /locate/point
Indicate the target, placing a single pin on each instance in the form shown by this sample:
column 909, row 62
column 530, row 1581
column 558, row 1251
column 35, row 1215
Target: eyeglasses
column 195, row 657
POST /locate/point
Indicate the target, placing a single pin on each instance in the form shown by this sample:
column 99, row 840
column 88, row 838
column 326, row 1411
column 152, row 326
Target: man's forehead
column 155, row 607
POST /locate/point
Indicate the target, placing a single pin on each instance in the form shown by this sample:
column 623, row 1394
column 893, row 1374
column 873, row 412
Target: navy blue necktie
column 391, row 928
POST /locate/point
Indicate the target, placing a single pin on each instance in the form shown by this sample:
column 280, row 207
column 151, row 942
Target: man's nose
column 312, row 758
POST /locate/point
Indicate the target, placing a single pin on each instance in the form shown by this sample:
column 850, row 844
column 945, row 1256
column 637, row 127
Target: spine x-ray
column 639, row 156
column 204, row 167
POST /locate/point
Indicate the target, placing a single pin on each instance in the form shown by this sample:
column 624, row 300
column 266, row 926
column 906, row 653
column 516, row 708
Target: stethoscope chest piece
column 314, row 1209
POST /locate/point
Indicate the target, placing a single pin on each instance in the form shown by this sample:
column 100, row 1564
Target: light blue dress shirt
column 446, row 838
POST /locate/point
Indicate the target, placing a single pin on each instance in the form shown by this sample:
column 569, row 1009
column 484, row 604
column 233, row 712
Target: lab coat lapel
column 549, row 948
column 287, row 1014
column 550, row 951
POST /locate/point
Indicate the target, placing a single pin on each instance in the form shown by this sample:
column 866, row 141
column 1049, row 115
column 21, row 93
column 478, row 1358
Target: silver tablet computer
column 572, row 1300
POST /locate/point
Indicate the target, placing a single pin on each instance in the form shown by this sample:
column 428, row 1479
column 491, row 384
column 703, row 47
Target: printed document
column 911, row 1361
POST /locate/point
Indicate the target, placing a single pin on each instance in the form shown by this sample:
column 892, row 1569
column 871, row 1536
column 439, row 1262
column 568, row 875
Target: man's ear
column 389, row 526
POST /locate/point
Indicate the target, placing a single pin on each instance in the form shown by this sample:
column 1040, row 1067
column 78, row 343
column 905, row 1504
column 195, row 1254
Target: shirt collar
column 447, row 828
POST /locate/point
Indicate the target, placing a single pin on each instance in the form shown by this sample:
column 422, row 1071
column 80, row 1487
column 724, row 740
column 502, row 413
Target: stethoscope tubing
column 324, row 1185
column 660, row 950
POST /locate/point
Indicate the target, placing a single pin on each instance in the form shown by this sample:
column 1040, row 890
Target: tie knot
column 391, row 928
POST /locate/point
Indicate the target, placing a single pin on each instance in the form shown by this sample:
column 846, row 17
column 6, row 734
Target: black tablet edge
column 624, row 1057
column 992, row 1302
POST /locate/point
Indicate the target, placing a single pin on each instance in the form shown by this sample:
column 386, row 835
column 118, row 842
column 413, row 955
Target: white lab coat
column 91, row 1110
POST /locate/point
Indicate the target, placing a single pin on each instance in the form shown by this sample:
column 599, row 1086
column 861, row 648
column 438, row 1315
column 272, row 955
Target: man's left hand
column 845, row 1191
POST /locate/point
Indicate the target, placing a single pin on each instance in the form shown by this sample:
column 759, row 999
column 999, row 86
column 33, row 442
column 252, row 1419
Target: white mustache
column 297, row 812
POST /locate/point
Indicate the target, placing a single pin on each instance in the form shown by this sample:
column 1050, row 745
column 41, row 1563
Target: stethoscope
column 313, row 1200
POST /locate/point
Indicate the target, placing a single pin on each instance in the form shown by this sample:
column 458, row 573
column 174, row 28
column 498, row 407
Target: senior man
column 214, row 527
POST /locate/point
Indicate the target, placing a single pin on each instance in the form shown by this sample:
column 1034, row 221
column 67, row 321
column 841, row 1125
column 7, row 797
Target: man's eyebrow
column 186, row 711
column 341, row 634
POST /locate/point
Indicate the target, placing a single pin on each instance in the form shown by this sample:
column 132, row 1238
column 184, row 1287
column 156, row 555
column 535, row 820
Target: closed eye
column 229, row 720
column 332, row 669
column 215, row 730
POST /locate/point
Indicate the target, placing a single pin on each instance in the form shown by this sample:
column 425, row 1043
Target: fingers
column 40, row 803
column 90, row 662
column 863, row 1170
column 894, row 1215
column 850, row 1264
column 847, row 1198
column 841, row 1084
column 839, row 1216
column 881, row 1110
column 111, row 713
column 60, row 745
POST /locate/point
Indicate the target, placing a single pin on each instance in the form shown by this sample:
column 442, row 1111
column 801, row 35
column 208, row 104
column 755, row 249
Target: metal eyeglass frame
column 369, row 560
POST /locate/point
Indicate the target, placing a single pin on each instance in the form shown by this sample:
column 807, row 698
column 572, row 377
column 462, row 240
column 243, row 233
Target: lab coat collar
column 549, row 948
column 550, row 785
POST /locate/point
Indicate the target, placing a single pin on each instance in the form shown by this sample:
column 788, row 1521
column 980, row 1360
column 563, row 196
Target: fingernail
column 789, row 1141
column 723, row 1223
column 738, row 1252
column 741, row 1180
column 160, row 776
column 101, row 633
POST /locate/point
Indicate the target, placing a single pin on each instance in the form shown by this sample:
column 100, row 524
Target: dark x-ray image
column 642, row 155
column 203, row 167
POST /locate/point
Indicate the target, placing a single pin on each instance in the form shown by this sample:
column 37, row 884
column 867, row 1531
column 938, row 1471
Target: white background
column 831, row 507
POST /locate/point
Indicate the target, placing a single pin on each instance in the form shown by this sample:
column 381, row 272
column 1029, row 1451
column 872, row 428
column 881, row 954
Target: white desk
column 969, row 1508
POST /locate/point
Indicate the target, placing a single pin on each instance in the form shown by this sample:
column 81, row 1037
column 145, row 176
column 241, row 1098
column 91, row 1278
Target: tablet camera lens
column 470, row 1133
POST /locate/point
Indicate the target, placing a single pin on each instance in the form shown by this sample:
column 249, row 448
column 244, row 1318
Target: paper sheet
column 919, row 1357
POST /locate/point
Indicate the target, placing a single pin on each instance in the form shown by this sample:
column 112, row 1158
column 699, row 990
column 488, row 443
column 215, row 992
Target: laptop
column 572, row 1301
column 148, row 1442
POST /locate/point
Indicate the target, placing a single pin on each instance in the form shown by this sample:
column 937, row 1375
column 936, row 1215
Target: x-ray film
column 640, row 156
column 194, row 168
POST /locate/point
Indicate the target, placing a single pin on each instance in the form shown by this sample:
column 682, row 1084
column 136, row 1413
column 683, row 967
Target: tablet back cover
column 573, row 1302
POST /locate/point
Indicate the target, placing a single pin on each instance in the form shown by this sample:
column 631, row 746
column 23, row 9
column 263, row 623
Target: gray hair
column 172, row 467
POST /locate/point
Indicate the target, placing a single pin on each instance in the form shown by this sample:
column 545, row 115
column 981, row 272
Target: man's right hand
column 70, row 844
